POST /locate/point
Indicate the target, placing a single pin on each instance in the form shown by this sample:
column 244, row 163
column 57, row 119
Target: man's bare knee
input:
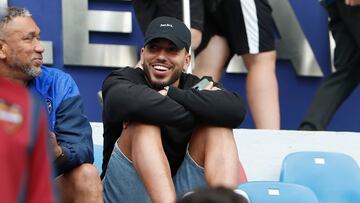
column 135, row 135
column 205, row 136
column 84, row 172
column 207, row 133
column 214, row 148
column 86, row 178
column 81, row 183
column 138, row 128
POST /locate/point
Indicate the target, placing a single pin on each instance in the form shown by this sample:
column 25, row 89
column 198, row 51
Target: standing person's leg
column 213, row 52
column 211, row 60
column 138, row 168
column 197, row 22
column 335, row 89
column 262, row 89
column 248, row 28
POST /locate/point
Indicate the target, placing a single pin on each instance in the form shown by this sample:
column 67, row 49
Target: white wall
column 262, row 151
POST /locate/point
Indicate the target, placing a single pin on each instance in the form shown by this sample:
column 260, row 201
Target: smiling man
column 70, row 132
column 162, row 137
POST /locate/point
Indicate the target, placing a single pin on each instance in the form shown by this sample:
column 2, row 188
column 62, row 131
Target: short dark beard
column 160, row 86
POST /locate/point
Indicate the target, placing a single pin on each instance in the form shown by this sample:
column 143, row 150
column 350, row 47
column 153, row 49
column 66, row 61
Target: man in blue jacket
column 70, row 131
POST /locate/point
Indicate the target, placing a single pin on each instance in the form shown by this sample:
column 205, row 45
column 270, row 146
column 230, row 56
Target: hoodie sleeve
column 127, row 97
column 218, row 107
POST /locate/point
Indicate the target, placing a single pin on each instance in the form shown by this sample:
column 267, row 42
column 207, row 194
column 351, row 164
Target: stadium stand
column 262, row 152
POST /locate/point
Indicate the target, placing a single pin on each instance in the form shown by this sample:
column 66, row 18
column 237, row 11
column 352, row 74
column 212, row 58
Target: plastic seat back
column 334, row 177
column 98, row 157
column 277, row 192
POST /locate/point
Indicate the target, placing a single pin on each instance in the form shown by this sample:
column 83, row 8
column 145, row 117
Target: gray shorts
column 122, row 183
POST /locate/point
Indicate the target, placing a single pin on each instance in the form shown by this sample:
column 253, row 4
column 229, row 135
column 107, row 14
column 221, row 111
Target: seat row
column 310, row 177
column 305, row 177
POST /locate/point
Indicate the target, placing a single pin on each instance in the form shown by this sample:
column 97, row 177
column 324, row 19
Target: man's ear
column 3, row 47
column 187, row 62
column 141, row 61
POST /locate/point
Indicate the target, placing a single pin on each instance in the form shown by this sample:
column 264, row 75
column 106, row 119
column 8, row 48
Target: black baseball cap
column 171, row 29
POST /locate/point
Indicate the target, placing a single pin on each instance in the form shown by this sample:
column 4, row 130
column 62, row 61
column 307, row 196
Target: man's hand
column 352, row 2
column 55, row 146
column 211, row 87
column 125, row 124
column 164, row 91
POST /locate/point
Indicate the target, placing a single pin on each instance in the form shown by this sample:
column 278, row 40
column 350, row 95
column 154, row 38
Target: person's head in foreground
column 214, row 195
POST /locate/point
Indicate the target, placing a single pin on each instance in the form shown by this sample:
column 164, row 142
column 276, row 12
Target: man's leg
column 195, row 38
column 262, row 89
column 261, row 82
column 214, row 148
column 336, row 88
column 333, row 91
column 211, row 60
column 81, row 184
column 141, row 145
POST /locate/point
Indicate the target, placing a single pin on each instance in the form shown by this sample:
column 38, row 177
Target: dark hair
column 213, row 195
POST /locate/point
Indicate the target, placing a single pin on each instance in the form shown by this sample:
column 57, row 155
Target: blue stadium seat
column 98, row 156
column 277, row 192
column 334, row 177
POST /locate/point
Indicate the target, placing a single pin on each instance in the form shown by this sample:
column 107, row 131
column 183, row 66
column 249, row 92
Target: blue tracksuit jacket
column 66, row 118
